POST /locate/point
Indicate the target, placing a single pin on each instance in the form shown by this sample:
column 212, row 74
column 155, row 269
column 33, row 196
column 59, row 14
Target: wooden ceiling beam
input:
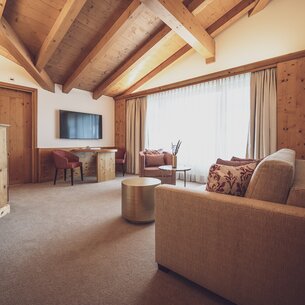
column 5, row 53
column 61, row 26
column 195, row 6
column 121, row 23
column 2, row 6
column 175, row 14
column 239, row 10
column 260, row 5
column 18, row 50
column 221, row 24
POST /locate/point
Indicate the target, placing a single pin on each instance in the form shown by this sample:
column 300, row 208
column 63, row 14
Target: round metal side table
column 138, row 199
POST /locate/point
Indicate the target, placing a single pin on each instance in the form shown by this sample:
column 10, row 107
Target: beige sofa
column 249, row 251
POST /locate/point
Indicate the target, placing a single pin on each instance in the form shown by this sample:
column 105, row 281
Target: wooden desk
column 89, row 157
column 105, row 162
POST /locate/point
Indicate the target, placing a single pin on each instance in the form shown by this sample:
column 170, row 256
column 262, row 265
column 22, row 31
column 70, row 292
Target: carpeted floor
column 68, row 245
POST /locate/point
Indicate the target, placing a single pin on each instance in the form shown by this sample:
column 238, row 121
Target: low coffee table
column 138, row 199
column 183, row 169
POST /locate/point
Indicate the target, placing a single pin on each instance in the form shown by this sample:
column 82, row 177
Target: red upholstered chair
column 66, row 160
column 120, row 159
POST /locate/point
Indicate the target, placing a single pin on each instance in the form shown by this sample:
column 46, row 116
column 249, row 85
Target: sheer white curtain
column 211, row 119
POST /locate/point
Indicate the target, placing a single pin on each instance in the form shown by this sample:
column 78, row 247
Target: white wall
column 49, row 103
column 276, row 30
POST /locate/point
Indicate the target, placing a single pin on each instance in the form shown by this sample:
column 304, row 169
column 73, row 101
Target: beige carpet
column 69, row 245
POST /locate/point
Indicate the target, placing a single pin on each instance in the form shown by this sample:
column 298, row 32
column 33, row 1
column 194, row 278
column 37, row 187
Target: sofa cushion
column 243, row 159
column 156, row 172
column 232, row 163
column 297, row 192
column 154, row 160
column 273, row 177
column 232, row 180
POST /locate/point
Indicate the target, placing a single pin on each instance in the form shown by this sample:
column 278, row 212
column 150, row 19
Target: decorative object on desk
column 175, row 149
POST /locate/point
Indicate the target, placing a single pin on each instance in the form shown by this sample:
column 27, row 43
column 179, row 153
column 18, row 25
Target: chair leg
column 81, row 172
column 72, row 182
column 65, row 174
column 55, row 177
column 123, row 171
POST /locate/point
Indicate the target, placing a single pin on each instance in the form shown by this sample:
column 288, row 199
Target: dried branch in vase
column 175, row 147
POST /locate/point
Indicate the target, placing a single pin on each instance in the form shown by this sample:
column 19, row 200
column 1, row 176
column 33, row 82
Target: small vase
column 174, row 161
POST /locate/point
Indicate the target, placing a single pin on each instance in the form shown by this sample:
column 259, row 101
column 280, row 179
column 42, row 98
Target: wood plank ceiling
column 112, row 47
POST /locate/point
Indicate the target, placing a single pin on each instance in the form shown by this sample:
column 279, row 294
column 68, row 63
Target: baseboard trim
column 5, row 210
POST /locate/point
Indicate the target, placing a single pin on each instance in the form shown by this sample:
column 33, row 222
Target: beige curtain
column 135, row 129
column 262, row 129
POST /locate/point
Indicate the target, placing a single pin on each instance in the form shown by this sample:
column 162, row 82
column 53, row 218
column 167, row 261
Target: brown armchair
column 149, row 166
column 120, row 159
column 66, row 160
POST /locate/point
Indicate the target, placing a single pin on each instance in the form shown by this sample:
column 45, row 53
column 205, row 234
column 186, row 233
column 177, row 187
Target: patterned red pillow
column 232, row 180
column 154, row 160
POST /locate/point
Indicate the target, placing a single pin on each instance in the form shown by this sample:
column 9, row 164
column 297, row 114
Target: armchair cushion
column 154, row 160
column 153, row 151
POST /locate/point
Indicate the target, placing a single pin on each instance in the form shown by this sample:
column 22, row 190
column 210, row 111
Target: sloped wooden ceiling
column 111, row 47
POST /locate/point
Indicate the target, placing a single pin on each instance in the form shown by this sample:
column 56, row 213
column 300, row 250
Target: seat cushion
column 74, row 164
column 156, row 172
column 273, row 177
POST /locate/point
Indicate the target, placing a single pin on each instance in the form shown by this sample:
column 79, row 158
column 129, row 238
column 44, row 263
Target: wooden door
column 16, row 110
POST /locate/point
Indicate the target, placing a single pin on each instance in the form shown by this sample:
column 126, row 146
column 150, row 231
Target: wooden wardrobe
column 4, row 207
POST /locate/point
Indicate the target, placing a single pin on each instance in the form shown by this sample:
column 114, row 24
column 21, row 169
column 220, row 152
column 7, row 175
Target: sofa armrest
column 248, row 251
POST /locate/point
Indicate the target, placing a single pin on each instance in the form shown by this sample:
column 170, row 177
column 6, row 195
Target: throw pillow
column 232, row 180
column 153, row 151
column 245, row 159
column 154, row 160
column 232, row 163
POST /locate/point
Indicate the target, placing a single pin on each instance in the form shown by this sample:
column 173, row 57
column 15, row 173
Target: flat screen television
column 79, row 125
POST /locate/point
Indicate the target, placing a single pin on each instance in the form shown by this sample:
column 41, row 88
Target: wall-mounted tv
column 79, row 125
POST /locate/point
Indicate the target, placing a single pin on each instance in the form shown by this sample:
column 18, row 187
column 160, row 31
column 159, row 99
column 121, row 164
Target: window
column 211, row 119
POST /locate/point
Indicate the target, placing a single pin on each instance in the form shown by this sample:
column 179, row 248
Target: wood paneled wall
column 291, row 106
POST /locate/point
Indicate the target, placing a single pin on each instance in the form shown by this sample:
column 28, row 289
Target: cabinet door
column 3, row 187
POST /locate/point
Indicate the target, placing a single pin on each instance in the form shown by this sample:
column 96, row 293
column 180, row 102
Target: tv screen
column 78, row 125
